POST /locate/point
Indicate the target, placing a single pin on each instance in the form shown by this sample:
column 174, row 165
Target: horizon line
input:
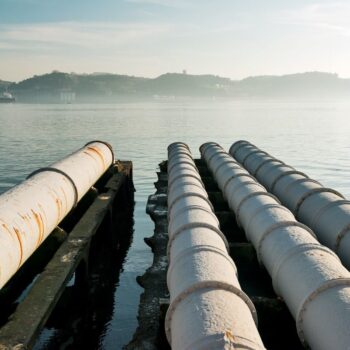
column 179, row 73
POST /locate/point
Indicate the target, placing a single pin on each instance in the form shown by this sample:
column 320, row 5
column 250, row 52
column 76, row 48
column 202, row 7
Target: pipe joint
column 206, row 285
column 311, row 193
column 334, row 283
column 61, row 172
column 280, row 176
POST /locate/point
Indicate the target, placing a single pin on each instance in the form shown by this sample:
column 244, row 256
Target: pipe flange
column 196, row 225
column 104, row 143
column 187, row 194
column 324, row 287
column 195, row 249
column 188, row 162
column 61, row 172
column 219, row 151
column 174, row 144
column 245, row 148
column 207, row 144
column 295, row 182
column 210, row 147
column 238, row 175
column 228, row 161
column 280, row 176
column 196, row 207
column 325, row 208
column 180, row 153
column 311, row 193
column 293, row 251
column 264, row 207
column 241, row 143
column 192, row 207
column 253, row 182
column 340, row 236
column 186, row 183
column 288, row 188
column 183, row 153
column 278, row 165
column 280, row 225
column 204, row 285
column 257, row 151
column 257, row 193
column 183, row 175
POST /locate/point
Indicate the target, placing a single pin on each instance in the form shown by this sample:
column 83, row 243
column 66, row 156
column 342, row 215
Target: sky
column 230, row 38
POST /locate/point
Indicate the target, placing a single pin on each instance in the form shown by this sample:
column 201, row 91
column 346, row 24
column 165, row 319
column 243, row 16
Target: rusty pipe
column 31, row 210
column 323, row 209
column 309, row 276
column 208, row 309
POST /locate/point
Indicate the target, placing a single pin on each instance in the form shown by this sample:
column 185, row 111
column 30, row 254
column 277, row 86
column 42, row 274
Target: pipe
column 208, row 309
column 307, row 275
column 324, row 210
column 31, row 210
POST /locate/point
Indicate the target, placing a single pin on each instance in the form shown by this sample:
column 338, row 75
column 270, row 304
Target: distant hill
column 4, row 85
column 312, row 84
column 189, row 85
column 104, row 87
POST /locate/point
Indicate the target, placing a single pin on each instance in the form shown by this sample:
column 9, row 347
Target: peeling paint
column 96, row 151
column 20, row 245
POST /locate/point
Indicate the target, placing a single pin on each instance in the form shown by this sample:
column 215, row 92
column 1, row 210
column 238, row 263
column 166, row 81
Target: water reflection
column 83, row 316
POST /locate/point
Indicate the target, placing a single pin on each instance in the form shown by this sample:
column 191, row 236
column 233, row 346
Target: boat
column 6, row 97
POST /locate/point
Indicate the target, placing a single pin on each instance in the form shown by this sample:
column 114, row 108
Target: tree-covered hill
column 106, row 87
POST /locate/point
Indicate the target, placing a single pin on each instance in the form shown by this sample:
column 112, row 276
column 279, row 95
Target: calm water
column 313, row 136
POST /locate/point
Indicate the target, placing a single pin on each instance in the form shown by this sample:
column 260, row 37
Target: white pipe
column 324, row 210
column 307, row 275
column 31, row 210
column 208, row 309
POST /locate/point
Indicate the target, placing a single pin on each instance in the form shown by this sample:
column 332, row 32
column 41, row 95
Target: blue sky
column 150, row 37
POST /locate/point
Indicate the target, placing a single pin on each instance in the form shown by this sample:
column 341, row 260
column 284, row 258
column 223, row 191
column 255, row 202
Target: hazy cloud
column 237, row 41
column 80, row 35
column 334, row 17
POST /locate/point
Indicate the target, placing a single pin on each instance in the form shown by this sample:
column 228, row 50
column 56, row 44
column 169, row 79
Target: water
column 310, row 135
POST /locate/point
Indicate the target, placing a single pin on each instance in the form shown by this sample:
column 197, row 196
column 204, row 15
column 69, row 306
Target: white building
column 67, row 96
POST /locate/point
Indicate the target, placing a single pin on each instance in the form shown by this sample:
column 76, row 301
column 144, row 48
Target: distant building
column 67, row 96
column 184, row 72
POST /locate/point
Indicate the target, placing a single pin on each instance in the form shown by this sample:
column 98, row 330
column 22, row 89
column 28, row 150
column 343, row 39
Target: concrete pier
column 275, row 323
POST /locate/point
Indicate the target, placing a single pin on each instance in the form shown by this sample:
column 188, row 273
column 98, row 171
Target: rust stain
column 43, row 229
column 96, row 151
column 58, row 205
column 7, row 229
column 18, row 234
column 90, row 155
column 65, row 197
column 40, row 224
column 27, row 222
column 229, row 335
column 43, row 211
